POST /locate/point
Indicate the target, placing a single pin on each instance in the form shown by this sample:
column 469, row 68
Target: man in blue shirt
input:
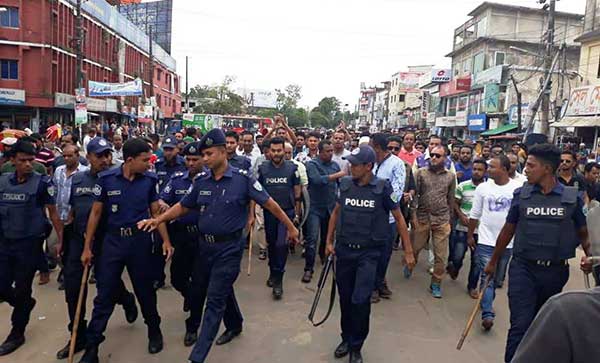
column 237, row 161
column 464, row 167
column 125, row 195
column 221, row 196
column 323, row 175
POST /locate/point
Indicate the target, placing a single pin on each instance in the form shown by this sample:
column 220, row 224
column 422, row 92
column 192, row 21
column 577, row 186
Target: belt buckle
column 126, row 232
column 543, row 263
column 192, row 229
column 210, row 238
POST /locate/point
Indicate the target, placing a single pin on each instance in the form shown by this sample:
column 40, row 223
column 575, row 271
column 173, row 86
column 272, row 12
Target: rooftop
column 486, row 5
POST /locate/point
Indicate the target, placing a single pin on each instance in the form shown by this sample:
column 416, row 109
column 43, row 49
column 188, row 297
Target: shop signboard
column 489, row 76
column 13, row 97
column 478, row 122
column 584, row 101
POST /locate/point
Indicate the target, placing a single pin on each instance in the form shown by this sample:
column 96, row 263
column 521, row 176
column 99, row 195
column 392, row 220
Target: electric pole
column 561, row 88
column 187, row 93
column 151, row 62
column 548, row 68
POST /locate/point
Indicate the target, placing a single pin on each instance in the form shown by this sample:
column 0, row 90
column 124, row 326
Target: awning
column 587, row 121
column 500, row 130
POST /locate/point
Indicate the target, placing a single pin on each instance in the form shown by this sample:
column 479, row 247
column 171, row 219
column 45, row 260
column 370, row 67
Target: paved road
column 411, row 327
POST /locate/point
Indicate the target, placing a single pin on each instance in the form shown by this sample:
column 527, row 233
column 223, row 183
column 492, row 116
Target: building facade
column 38, row 63
column 499, row 42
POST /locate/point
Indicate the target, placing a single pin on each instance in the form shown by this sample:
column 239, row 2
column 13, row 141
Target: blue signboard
column 477, row 122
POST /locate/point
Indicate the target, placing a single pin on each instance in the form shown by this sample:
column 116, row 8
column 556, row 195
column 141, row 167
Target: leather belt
column 189, row 228
column 544, row 263
column 125, row 232
column 219, row 238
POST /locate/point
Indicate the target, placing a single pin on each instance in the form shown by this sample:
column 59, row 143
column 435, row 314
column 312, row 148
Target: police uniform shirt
column 125, row 202
column 223, row 204
column 240, row 162
column 177, row 188
column 164, row 171
column 388, row 203
column 273, row 178
column 514, row 214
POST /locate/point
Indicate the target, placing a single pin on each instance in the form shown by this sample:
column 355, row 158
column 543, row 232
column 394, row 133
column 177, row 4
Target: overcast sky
column 326, row 46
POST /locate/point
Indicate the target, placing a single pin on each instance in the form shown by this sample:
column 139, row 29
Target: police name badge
column 257, row 186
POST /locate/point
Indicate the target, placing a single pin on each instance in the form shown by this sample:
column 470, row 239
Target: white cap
column 364, row 140
column 9, row 141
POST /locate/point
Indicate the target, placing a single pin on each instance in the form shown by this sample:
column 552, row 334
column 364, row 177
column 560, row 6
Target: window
column 462, row 103
column 158, row 74
column 9, row 17
column 401, row 98
column 499, row 58
column 468, row 66
column 452, row 103
column 478, row 63
column 9, row 69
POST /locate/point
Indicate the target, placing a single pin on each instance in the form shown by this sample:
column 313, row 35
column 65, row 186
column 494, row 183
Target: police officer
column 237, row 161
column 360, row 220
column 25, row 196
column 81, row 200
column 547, row 222
column 281, row 180
column 183, row 231
column 167, row 165
column 125, row 195
column 221, row 196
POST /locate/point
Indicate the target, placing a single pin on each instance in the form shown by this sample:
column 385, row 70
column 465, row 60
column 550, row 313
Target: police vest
column 20, row 214
column 362, row 219
column 278, row 182
column 545, row 230
column 82, row 197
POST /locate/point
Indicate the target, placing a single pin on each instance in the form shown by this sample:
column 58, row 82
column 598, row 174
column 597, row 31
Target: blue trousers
column 18, row 262
column 457, row 255
column 182, row 264
column 216, row 268
column 316, row 225
column 135, row 253
column 386, row 255
column 483, row 255
column 530, row 287
column 355, row 273
column 277, row 242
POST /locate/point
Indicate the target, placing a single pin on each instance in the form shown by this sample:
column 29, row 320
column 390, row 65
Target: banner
column 80, row 113
column 102, row 89
column 9, row 96
column 201, row 122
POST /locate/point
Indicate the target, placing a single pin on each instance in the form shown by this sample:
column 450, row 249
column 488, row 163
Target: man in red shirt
column 408, row 153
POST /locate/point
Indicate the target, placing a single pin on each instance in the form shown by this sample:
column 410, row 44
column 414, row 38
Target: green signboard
column 201, row 122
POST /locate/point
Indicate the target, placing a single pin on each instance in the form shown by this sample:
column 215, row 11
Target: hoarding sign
column 477, row 122
column 441, row 75
column 489, row 76
column 491, row 98
column 9, row 96
column 103, row 89
column 584, row 101
column 80, row 113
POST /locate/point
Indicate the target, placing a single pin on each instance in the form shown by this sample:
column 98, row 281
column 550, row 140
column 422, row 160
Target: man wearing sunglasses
column 567, row 175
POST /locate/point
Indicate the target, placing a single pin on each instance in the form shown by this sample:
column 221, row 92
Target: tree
column 329, row 106
column 219, row 99
column 297, row 117
column 317, row 119
column 289, row 97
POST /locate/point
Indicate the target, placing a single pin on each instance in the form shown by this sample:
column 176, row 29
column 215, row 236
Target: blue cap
column 169, row 142
column 98, row 145
column 363, row 154
column 193, row 148
column 214, row 137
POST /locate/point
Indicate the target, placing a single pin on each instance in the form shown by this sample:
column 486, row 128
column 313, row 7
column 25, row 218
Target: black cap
column 23, row 147
column 193, row 148
column 363, row 154
column 214, row 137
column 169, row 142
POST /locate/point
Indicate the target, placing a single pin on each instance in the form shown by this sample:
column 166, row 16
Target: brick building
column 37, row 63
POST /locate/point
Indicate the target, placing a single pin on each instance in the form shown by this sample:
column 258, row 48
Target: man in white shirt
column 339, row 152
column 513, row 173
column 491, row 204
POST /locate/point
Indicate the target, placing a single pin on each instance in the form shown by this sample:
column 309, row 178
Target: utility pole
column 519, row 103
column 187, row 94
column 151, row 62
column 561, row 90
column 548, row 62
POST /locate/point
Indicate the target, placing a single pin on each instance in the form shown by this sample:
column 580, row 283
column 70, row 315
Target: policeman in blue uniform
column 168, row 164
column 81, row 200
column 281, row 180
column 547, row 222
column 221, row 196
column 237, row 161
column 25, row 196
column 184, row 231
column 125, row 195
column 360, row 220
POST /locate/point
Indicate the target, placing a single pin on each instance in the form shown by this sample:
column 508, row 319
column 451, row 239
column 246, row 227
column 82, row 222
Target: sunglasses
column 565, row 161
column 433, row 155
column 393, row 148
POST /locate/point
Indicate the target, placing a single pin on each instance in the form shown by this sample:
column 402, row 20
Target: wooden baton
column 80, row 301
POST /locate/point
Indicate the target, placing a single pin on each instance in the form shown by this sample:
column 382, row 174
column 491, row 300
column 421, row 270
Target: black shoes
column 278, row 287
column 342, row 350
column 190, row 338
column 155, row 341
column 186, row 305
column 13, row 342
column 64, row 353
column 355, row 357
column 307, row 276
column 270, row 281
column 131, row 310
column 90, row 355
column 228, row 336
column 385, row 292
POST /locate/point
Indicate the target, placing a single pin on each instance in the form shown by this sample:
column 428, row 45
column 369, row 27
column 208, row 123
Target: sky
column 328, row 47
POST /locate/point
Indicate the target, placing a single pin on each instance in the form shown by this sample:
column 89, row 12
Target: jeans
column 316, row 224
column 483, row 255
column 384, row 259
column 459, row 248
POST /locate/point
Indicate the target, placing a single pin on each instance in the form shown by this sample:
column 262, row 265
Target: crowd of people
column 199, row 200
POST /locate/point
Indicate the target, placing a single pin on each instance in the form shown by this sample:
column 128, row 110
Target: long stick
column 250, row 250
column 84, row 280
column 467, row 329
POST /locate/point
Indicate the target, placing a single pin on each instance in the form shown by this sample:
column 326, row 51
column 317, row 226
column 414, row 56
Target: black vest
column 82, row 197
column 363, row 219
column 20, row 214
column 545, row 230
column 278, row 182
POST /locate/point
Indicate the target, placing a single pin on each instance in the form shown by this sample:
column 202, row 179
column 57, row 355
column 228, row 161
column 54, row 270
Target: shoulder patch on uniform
column 167, row 189
column 257, row 186
column 97, row 190
column 51, row 190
